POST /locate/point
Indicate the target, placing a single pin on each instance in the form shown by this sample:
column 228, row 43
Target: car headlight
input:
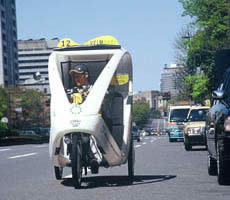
column 196, row 131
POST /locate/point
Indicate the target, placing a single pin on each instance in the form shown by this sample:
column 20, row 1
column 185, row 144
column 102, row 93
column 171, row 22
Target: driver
column 78, row 95
column 82, row 87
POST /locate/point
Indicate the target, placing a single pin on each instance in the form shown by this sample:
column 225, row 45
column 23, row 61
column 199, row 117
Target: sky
column 147, row 29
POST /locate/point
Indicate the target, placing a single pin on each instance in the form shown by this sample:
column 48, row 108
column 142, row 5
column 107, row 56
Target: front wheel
column 212, row 166
column 76, row 158
column 58, row 172
column 187, row 146
column 131, row 161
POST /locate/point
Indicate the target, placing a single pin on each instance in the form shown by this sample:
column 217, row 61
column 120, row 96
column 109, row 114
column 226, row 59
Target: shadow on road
column 117, row 181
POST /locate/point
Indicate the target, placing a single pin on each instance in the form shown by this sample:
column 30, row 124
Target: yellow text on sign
column 120, row 79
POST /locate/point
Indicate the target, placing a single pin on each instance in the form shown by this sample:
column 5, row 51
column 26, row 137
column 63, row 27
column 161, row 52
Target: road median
column 23, row 139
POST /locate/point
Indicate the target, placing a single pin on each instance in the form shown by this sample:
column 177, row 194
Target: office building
column 170, row 79
column 33, row 58
column 8, row 44
column 150, row 97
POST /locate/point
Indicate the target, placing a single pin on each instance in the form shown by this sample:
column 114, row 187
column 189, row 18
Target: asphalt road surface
column 163, row 171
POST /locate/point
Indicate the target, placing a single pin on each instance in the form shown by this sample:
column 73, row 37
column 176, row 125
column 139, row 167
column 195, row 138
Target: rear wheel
column 131, row 161
column 76, row 158
column 58, row 172
column 223, row 174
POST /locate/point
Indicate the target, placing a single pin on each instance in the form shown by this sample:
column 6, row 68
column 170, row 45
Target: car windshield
column 197, row 115
column 179, row 115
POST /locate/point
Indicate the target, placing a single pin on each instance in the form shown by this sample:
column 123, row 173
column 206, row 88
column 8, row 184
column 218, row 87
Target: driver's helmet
column 79, row 68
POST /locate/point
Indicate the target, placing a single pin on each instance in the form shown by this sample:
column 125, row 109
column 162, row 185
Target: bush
column 3, row 129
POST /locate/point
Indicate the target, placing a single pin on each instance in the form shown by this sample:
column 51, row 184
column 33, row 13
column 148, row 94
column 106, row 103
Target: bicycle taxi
column 100, row 126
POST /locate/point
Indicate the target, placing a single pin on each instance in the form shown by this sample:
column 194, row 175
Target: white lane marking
column 42, row 146
column 136, row 146
column 5, row 149
column 144, row 142
column 24, row 155
column 153, row 140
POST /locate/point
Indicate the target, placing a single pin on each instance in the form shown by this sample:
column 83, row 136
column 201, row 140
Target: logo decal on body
column 75, row 109
column 75, row 123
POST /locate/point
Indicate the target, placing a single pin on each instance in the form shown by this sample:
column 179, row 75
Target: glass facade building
column 8, row 44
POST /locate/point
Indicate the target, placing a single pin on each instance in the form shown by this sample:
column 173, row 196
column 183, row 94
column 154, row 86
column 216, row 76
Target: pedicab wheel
column 131, row 161
column 76, row 161
column 58, row 172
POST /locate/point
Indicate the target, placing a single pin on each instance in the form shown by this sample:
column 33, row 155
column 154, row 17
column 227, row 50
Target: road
column 157, row 124
column 163, row 171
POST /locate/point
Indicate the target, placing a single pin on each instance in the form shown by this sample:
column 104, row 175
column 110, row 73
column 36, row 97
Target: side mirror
column 218, row 95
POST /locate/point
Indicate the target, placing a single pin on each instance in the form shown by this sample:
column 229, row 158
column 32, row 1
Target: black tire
column 131, row 161
column 138, row 139
column 76, row 158
column 223, row 174
column 187, row 146
column 212, row 166
column 58, row 172
column 171, row 140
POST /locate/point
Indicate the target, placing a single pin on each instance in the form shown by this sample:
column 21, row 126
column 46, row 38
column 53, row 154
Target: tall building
column 150, row 97
column 170, row 79
column 8, row 43
column 33, row 58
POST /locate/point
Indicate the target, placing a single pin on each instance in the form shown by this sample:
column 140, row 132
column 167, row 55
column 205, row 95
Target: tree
column 154, row 114
column 3, row 110
column 210, row 16
column 3, row 101
column 181, row 44
column 211, row 21
column 33, row 106
column 198, row 85
column 140, row 113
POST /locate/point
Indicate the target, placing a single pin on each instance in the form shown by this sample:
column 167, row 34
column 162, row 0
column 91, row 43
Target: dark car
column 218, row 133
column 136, row 134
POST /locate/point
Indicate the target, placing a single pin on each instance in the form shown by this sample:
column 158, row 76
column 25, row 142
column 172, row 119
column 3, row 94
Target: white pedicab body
column 110, row 72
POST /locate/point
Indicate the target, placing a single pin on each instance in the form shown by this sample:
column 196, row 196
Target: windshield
column 197, row 115
column 179, row 115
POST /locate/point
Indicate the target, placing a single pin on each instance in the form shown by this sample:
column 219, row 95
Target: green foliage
column 154, row 114
column 209, row 15
column 211, row 22
column 32, row 106
column 3, row 129
column 198, row 86
column 3, row 102
column 140, row 113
